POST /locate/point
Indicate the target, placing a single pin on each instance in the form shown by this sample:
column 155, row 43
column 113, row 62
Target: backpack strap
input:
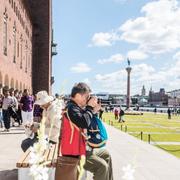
column 75, row 126
column 97, row 145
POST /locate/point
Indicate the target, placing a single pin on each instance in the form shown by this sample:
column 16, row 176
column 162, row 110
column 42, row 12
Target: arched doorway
column 17, row 85
column 24, row 87
column 6, row 81
column 1, row 82
column 12, row 83
column 20, row 86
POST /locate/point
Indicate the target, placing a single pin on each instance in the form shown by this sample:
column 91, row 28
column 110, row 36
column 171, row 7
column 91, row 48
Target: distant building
column 174, row 98
column 140, row 100
column 118, row 99
column 158, row 98
column 143, row 91
column 174, row 93
column 104, row 97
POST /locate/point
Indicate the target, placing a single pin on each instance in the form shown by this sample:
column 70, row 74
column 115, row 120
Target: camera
column 98, row 99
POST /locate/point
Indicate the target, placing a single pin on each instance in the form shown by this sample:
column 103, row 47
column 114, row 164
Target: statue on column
column 129, row 62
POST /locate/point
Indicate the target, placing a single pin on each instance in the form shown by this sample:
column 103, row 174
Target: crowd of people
column 16, row 108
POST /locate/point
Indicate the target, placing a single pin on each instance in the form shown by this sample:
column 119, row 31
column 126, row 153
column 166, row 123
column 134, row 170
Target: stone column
column 128, row 69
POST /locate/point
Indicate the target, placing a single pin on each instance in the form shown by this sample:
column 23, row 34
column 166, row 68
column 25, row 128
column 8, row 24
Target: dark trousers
column 19, row 115
column 6, row 118
column 116, row 116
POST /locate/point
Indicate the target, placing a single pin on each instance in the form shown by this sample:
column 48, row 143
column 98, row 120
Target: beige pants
column 99, row 163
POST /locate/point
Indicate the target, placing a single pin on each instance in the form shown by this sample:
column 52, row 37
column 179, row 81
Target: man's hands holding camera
column 93, row 102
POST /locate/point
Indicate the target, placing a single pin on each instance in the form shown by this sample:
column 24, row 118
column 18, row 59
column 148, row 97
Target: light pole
column 53, row 53
column 128, row 69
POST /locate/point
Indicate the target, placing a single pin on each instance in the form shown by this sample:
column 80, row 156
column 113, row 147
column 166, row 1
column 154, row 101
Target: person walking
column 155, row 110
column 116, row 112
column 26, row 104
column 101, row 113
column 121, row 115
column 18, row 95
column 169, row 113
column 1, row 116
column 13, row 109
column 7, row 102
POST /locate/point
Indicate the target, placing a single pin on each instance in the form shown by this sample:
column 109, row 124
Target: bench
column 23, row 163
column 50, row 156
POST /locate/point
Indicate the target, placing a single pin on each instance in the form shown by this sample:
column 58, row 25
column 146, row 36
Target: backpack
column 121, row 113
column 97, row 134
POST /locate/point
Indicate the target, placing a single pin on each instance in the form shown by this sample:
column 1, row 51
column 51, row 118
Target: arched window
column 14, row 43
column 26, row 57
column 14, row 7
column 18, row 49
column 5, row 32
column 12, row 3
column 21, row 51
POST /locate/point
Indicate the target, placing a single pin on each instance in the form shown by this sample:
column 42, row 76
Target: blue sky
column 96, row 37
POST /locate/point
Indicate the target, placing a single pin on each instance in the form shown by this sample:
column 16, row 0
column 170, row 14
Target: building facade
column 158, row 98
column 174, row 98
column 143, row 91
column 25, row 50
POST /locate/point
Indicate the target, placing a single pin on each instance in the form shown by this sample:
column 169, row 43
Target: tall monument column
column 128, row 69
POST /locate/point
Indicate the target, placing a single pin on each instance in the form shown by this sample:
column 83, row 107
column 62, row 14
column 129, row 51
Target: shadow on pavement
column 9, row 174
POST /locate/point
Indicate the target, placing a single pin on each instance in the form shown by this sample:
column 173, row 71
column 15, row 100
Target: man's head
column 81, row 93
column 26, row 92
column 57, row 96
column 6, row 93
column 11, row 92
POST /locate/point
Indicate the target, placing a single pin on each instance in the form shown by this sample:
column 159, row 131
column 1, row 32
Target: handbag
column 66, row 168
column 71, row 143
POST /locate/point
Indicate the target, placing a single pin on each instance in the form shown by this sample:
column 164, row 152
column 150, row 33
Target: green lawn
column 173, row 149
column 153, row 124
column 160, row 137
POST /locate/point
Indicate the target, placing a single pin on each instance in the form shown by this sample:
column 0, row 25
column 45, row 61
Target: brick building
column 25, row 44
column 158, row 98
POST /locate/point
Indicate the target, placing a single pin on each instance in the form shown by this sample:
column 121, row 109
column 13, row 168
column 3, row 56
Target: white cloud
column 137, row 55
column 116, row 58
column 156, row 32
column 80, row 68
column 103, row 39
column 112, row 82
column 177, row 56
column 174, row 71
column 87, row 81
column 141, row 74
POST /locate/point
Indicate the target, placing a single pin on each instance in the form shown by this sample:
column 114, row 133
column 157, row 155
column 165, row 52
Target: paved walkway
column 150, row 162
column 10, row 152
